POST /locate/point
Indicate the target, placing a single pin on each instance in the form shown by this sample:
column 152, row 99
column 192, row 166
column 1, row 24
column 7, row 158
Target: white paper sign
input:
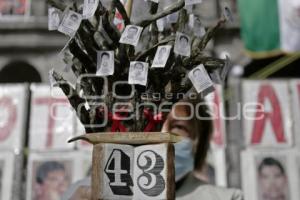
column 267, row 114
column 70, row 23
column 161, row 56
column 13, row 103
column 138, row 73
column 192, row 2
column 105, row 63
column 131, row 35
column 199, row 29
column 52, row 119
column 89, row 8
column 182, row 44
column 200, row 79
column 54, row 18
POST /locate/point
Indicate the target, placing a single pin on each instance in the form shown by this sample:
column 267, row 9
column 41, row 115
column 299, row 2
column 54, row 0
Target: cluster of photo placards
column 270, row 163
column 52, row 164
column 50, row 159
column 69, row 21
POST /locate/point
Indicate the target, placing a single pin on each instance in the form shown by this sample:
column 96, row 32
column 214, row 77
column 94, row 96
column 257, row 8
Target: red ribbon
column 116, row 122
column 153, row 120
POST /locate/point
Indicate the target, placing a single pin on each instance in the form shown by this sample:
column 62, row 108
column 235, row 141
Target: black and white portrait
column 89, row 8
column 138, row 73
column 54, row 18
column 182, row 44
column 131, row 35
column 198, row 28
column 105, row 63
column 70, row 23
column 200, row 79
column 161, row 56
column 272, row 178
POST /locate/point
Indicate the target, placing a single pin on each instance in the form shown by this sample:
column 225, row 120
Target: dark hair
column 74, row 16
column 202, row 131
column 105, row 54
column 133, row 27
column 184, row 37
column 45, row 168
column 138, row 64
column 270, row 162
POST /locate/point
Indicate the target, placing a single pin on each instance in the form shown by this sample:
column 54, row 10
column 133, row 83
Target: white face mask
column 184, row 158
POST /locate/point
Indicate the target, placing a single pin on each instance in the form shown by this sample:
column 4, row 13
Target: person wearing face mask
column 190, row 156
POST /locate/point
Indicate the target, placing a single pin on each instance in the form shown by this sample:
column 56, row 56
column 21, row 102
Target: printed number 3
column 150, row 182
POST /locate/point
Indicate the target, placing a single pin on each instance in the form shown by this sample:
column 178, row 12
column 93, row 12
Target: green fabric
column 260, row 25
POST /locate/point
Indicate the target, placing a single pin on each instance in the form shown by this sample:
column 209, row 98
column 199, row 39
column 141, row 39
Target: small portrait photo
column 182, row 44
column 50, row 179
column 200, row 79
column 70, row 23
column 272, row 178
column 161, row 56
column 131, row 35
column 49, row 175
column 89, row 8
column 105, row 63
column 138, row 73
column 54, row 18
column 199, row 29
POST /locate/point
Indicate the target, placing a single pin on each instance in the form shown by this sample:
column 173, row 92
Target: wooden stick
column 129, row 138
column 128, row 7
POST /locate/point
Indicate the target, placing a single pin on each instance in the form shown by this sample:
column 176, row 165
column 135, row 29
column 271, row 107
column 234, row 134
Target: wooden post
column 124, row 165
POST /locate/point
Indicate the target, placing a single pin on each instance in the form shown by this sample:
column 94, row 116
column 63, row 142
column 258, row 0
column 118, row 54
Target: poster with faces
column 131, row 35
column 182, row 44
column 295, row 97
column 7, row 160
column 105, row 63
column 54, row 18
column 13, row 106
column 49, row 175
column 89, row 8
column 200, row 79
column 52, row 119
column 138, row 73
column 215, row 104
column 161, row 56
column 266, row 174
column 267, row 120
column 70, row 23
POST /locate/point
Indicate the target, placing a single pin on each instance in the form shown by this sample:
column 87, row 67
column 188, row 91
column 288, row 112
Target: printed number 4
column 118, row 171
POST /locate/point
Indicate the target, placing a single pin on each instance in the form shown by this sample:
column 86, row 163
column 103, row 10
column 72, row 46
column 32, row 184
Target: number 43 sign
column 122, row 171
